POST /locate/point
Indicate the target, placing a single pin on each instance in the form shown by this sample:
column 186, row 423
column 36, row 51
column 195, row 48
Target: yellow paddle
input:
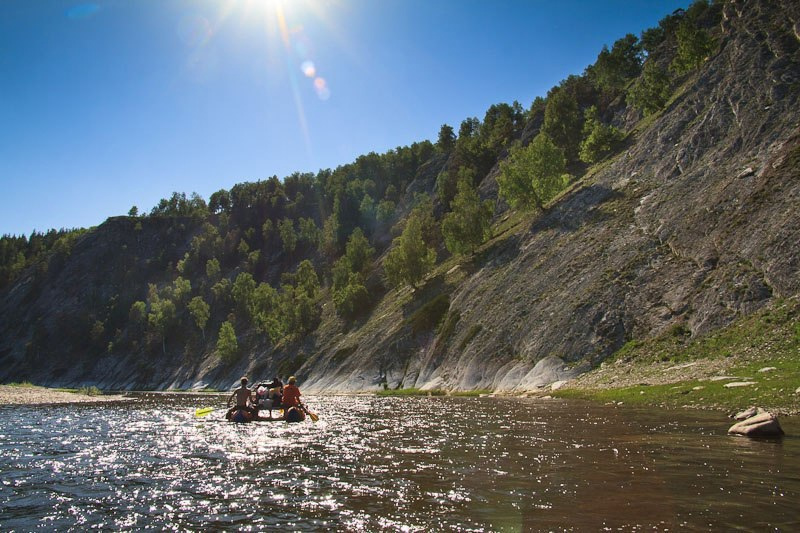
column 203, row 411
column 313, row 416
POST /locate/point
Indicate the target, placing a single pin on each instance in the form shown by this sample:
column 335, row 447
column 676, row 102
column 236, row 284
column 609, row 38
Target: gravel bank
column 32, row 395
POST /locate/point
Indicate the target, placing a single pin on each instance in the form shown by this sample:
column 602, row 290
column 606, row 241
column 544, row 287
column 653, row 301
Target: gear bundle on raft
column 292, row 414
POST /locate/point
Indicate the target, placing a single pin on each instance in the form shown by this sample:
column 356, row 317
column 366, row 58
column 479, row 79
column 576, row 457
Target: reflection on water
column 406, row 464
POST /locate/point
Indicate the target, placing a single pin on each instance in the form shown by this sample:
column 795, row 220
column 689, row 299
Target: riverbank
column 27, row 394
column 753, row 361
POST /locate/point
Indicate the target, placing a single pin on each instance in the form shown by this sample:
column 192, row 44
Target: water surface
column 405, row 464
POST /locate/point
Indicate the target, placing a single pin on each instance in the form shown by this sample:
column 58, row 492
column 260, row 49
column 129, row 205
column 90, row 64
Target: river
column 397, row 464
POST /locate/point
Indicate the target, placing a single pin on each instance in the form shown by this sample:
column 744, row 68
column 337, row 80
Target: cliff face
column 693, row 225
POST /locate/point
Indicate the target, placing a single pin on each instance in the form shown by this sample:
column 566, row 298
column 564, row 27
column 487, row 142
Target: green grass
column 428, row 317
column 411, row 392
column 773, row 391
column 432, row 392
column 767, row 338
column 471, row 393
column 21, row 384
column 86, row 391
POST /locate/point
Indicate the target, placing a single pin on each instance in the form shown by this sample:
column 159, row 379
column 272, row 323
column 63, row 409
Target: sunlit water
column 418, row 464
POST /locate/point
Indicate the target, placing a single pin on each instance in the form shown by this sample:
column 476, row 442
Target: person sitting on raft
column 243, row 400
column 275, row 395
column 291, row 395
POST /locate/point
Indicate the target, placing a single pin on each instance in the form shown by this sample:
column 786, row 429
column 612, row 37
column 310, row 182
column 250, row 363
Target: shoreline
column 641, row 392
column 35, row 395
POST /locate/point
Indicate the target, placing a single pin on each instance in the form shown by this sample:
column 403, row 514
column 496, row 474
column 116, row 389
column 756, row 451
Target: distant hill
column 656, row 192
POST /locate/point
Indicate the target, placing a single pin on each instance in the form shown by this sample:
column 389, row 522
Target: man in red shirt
column 291, row 394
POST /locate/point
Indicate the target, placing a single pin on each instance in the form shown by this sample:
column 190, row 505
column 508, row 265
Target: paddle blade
column 203, row 411
column 313, row 416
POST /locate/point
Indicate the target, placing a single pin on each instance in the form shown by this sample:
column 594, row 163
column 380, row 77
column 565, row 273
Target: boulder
column 761, row 425
column 748, row 413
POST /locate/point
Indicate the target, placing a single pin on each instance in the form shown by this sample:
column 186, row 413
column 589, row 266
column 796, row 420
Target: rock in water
column 761, row 425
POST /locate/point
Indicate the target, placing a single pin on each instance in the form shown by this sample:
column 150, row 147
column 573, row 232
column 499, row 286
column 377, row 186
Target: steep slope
column 694, row 224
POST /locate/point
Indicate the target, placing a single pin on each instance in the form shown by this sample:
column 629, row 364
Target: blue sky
column 109, row 104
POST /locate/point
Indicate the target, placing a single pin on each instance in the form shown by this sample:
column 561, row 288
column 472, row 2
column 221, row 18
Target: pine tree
column 468, row 224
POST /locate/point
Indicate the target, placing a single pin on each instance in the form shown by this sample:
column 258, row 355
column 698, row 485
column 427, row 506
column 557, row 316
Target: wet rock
column 735, row 384
column 761, row 425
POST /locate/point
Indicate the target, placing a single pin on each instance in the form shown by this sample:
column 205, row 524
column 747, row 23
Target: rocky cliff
column 693, row 224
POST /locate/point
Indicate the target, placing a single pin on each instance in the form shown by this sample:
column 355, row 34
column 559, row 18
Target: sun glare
column 282, row 26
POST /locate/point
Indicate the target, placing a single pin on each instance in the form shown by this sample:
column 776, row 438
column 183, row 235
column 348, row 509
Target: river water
column 402, row 464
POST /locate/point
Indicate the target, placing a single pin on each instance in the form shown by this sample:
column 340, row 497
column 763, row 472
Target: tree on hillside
column 306, row 279
column 266, row 312
column 309, row 232
column 179, row 205
column 694, row 47
column 349, row 292
column 220, row 201
column 599, row 140
column 358, row 251
column 651, row 91
column 181, row 290
column 351, row 295
column 615, row 67
column 138, row 312
column 288, row 234
column 200, row 312
column 533, row 174
column 242, row 292
column 227, row 345
column 161, row 316
column 468, row 223
column 447, row 139
column 410, row 258
column 563, row 121
column 213, row 269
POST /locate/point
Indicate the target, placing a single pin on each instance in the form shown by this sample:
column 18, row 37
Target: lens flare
column 321, row 86
column 308, row 69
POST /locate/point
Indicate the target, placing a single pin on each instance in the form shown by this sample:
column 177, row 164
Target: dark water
column 419, row 464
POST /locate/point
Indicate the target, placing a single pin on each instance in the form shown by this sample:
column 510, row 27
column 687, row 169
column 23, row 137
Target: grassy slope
column 675, row 371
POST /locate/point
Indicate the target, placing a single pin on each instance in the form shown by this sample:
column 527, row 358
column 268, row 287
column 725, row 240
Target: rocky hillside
column 692, row 224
